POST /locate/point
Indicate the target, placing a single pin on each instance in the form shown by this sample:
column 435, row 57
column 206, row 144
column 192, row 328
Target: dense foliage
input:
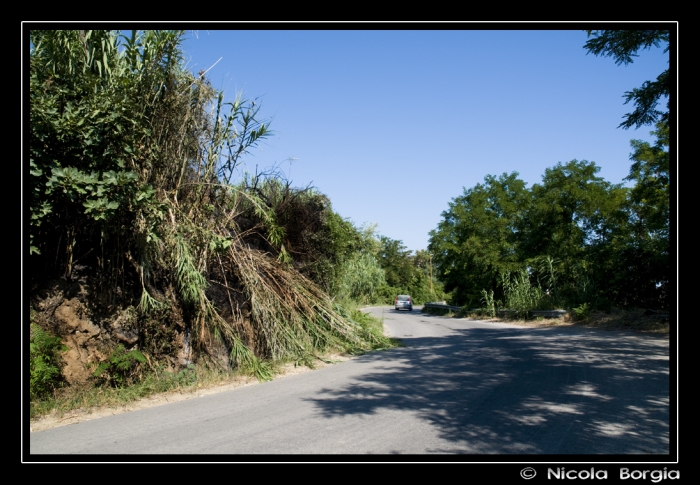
column 135, row 190
column 572, row 239
column 44, row 362
column 407, row 272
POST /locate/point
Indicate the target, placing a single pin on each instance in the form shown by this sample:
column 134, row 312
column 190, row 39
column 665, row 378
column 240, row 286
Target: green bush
column 387, row 294
column 120, row 367
column 360, row 278
column 44, row 362
column 520, row 294
column 582, row 312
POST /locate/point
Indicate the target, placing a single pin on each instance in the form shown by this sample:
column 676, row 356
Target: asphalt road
column 457, row 386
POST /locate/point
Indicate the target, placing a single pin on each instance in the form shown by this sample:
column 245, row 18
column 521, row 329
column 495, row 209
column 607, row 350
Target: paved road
column 457, row 386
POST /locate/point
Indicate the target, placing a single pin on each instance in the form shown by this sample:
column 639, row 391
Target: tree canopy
column 574, row 237
column 623, row 46
column 478, row 236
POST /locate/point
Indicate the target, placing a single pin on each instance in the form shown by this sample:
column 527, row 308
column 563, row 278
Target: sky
column 393, row 124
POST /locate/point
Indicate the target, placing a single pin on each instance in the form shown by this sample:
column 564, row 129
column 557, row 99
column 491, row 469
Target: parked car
column 403, row 301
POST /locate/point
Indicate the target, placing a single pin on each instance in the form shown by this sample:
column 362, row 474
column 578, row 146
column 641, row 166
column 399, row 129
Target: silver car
column 403, row 301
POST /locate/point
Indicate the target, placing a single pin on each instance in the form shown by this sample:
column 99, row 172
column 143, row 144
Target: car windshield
column 404, row 297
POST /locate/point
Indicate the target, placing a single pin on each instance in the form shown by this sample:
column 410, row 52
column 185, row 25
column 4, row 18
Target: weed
column 520, row 295
column 153, row 382
column 186, row 377
column 489, row 302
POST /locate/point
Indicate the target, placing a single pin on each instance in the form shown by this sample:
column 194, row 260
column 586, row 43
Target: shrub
column 120, row 367
column 582, row 312
column 44, row 362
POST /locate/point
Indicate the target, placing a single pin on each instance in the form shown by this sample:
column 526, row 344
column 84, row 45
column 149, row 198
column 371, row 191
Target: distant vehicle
column 403, row 301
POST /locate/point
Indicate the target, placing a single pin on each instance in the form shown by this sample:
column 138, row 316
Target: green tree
column 554, row 243
column 478, row 238
column 567, row 211
column 573, row 211
column 639, row 253
column 650, row 171
column 407, row 272
column 642, row 258
column 395, row 259
column 623, row 45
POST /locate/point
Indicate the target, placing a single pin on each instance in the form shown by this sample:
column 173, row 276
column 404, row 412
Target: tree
column 650, row 171
column 623, row 45
column 573, row 214
column 395, row 259
column 643, row 260
column 478, row 236
column 639, row 255
column 567, row 211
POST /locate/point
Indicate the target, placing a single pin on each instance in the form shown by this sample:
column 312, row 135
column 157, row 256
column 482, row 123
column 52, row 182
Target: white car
column 403, row 301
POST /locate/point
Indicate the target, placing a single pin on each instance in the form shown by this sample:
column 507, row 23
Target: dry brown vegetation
column 620, row 320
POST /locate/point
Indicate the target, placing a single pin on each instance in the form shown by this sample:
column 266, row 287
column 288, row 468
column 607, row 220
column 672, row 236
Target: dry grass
column 634, row 320
column 626, row 320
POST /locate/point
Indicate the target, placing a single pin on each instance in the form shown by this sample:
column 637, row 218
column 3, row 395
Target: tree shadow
column 521, row 391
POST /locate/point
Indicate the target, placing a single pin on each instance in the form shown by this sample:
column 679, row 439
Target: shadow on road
column 522, row 390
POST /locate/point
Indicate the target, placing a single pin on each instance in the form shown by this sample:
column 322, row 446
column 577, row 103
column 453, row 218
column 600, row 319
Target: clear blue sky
column 393, row 124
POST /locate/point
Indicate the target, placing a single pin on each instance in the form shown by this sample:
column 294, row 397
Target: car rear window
column 404, row 297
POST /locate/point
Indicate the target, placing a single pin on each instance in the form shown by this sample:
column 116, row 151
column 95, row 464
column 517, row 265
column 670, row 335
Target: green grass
column 71, row 399
column 375, row 327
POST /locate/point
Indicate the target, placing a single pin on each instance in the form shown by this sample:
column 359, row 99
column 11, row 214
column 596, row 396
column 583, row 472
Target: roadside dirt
column 635, row 321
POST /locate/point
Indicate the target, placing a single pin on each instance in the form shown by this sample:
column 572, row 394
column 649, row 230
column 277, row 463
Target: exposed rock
column 126, row 336
column 81, row 338
column 69, row 313
column 184, row 355
column 75, row 370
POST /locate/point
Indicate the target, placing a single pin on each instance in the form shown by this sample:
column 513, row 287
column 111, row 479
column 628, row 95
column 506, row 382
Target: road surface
column 456, row 386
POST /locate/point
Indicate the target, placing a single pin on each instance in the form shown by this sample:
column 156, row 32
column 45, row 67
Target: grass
column 375, row 326
column 87, row 397
column 93, row 400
